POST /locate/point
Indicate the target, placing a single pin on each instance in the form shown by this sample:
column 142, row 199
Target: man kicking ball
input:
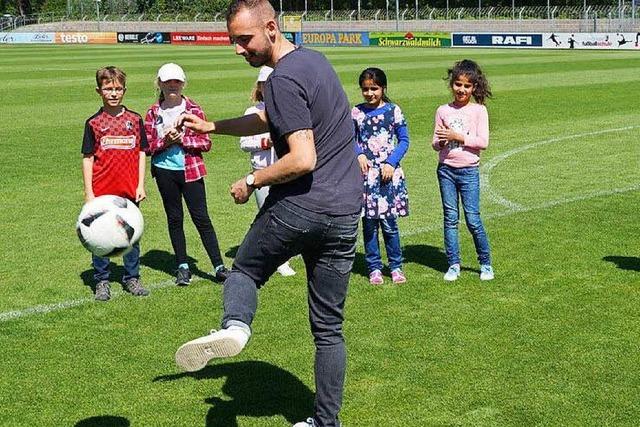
column 313, row 207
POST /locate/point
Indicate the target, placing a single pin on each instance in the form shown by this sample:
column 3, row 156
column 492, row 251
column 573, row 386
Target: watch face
column 250, row 179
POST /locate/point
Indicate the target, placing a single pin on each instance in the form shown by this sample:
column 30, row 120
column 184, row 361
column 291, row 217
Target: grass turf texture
column 551, row 341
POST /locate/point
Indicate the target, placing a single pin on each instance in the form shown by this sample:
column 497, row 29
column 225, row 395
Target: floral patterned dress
column 378, row 134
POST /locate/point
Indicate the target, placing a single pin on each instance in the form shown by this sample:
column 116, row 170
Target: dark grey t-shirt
column 304, row 92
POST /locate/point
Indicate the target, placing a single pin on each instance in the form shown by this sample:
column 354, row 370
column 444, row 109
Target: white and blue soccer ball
column 109, row 226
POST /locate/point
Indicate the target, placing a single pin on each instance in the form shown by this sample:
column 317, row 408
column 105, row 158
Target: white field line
column 512, row 208
column 486, row 169
column 541, row 206
column 48, row 308
column 63, row 305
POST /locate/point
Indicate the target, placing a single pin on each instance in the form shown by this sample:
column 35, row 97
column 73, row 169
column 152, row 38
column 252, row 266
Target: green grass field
column 552, row 341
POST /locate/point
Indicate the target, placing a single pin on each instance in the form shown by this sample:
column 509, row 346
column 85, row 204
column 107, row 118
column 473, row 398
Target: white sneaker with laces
column 195, row 354
column 286, row 270
column 308, row 423
column 486, row 272
column 452, row 273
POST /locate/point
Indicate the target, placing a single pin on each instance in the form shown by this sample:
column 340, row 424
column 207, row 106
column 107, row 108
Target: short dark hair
column 110, row 74
column 262, row 6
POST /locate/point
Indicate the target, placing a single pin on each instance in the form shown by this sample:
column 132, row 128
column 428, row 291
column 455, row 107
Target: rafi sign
column 496, row 40
column 512, row 40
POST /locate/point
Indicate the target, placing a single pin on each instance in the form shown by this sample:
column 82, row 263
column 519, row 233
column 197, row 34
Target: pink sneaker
column 398, row 276
column 375, row 277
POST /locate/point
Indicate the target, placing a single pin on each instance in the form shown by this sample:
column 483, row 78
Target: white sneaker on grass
column 452, row 273
column 228, row 342
column 307, row 423
column 486, row 272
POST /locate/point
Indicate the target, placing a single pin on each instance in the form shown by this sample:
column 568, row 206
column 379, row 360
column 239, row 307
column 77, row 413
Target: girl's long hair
column 378, row 77
column 472, row 71
column 256, row 93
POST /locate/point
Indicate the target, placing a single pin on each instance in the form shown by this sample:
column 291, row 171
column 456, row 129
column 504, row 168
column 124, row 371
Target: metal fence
column 123, row 11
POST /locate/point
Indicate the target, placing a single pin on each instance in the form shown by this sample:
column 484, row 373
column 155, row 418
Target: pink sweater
column 472, row 121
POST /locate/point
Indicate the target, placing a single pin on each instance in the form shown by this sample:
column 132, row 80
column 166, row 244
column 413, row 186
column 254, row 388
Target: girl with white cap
column 179, row 170
column 261, row 150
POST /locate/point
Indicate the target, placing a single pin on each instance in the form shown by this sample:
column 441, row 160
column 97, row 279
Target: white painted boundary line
column 488, row 167
column 512, row 208
column 48, row 308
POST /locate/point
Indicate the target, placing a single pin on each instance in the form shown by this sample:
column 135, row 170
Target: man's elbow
column 307, row 163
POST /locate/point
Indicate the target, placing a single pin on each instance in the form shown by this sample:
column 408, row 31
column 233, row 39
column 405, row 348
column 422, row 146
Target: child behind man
column 114, row 163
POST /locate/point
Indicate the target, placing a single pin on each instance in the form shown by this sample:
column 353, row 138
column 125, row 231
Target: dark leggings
column 173, row 187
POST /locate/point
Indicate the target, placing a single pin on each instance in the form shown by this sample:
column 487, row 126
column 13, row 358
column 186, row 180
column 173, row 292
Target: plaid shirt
column 193, row 144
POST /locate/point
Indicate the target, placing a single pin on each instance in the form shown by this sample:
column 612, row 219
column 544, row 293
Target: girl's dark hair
column 378, row 77
column 472, row 71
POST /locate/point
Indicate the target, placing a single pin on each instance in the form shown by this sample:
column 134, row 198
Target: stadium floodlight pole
column 98, row 13
column 513, row 9
column 397, row 15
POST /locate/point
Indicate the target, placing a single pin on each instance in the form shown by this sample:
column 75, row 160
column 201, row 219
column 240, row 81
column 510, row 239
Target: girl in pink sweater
column 461, row 132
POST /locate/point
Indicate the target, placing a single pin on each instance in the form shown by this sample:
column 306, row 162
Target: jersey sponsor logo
column 109, row 142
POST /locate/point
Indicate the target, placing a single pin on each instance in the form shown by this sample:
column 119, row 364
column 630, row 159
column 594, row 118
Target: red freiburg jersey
column 115, row 142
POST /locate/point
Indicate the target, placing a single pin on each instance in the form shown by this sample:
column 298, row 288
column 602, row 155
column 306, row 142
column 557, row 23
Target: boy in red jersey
column 114, row 163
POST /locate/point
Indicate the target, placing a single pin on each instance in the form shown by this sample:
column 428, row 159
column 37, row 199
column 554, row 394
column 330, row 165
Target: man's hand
column 195, row 123
column 364, row 165
column 240, row 191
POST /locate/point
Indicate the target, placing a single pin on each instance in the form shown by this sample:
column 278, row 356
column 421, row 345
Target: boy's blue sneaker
column 452, row 273
column 486, row 272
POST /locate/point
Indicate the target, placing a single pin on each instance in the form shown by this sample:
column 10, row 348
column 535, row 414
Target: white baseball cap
column 264, row 73
column 171, row 71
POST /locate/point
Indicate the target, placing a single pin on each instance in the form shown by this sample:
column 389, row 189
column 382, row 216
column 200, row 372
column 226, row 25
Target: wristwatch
column 250, row 180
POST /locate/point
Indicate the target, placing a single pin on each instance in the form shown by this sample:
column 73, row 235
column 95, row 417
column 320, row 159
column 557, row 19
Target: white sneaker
column 195, row 354
column 452, row 273
column 308, row 423
column 286, row 270
column 486, row 272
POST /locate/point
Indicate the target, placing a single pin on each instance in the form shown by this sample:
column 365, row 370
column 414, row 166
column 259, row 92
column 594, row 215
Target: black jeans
column 327, row 244
column 172, row 187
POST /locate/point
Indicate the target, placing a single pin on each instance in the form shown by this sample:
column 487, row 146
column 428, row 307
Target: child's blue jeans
column 391, row 237
column 131, row 265
column 463, row 183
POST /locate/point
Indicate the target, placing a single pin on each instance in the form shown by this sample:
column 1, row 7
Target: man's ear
column 272, row 29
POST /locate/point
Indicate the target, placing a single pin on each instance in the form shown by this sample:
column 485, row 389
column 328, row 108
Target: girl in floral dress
column 382, row 140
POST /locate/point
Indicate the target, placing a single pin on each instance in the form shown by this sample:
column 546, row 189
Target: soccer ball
column 109, row 226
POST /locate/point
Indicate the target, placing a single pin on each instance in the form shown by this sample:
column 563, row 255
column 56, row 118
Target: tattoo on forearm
column 303, row 137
